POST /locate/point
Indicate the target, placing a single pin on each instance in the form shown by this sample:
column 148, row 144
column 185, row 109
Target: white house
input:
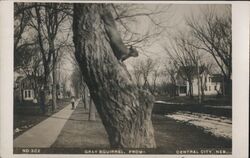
column 210, row 84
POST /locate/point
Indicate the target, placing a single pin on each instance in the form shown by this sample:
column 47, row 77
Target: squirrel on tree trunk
column 120, row 50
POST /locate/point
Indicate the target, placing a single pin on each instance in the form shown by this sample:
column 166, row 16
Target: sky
column 175, row 20
column 178, row 14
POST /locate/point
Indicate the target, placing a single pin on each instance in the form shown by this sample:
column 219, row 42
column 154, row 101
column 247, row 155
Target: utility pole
column 223, row 82
column 198, row 79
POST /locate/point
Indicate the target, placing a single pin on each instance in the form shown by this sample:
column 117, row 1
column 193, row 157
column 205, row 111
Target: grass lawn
column 27, row 115
column 171, row 135
column 208, row 100
column 208, row 106
column 79, row 134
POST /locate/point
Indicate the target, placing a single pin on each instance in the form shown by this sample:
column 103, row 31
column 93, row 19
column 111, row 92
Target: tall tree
column 171, row 85
column 21, row 20
column 185, row 43
column 213, row 32
column 123, row 108
column 147, row 68
column 183, row 63
column 47, row 18
column 137, row 73
column 147, row 72
column 155, row 77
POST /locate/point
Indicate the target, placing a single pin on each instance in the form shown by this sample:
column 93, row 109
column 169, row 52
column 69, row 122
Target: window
column 29, row 92
column 209, row 88
column 25, row 94
column 215, row 88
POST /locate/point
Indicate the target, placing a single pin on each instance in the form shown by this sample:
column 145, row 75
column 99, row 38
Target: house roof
column 190, row 70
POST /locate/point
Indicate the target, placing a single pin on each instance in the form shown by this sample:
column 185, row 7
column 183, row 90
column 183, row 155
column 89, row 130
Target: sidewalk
column 44, row 134
column 79, row 132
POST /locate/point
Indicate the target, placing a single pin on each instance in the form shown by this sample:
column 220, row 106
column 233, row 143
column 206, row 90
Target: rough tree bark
column 124, row 109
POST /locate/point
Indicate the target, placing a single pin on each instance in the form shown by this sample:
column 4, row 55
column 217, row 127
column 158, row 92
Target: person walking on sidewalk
column 73, row 102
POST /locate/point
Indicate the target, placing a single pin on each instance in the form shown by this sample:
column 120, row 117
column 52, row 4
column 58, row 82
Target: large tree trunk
column 125, row 111
column 54, row 91
column 44, row 91
column 92, row 110
column 190, row 89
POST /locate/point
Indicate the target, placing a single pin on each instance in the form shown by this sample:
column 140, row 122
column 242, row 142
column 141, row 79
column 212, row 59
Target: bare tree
column 185, row 43
column 187, row 57
column 24, row 47
column 183, row 62
column 123, row 108
column 129, row 16
column 21, row 20
column 146, row 69
column 171, row 83
column 155, row 76
column 137, row 74
column 214, row 35
column 32, row 68
column 47, row 20
column 146, row 72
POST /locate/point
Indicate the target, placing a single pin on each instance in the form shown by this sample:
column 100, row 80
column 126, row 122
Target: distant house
column 28, row 90
column 24, row 88
column 60, row 91
column 210, row 84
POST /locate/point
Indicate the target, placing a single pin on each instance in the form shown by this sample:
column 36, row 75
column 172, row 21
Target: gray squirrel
column 120, row 50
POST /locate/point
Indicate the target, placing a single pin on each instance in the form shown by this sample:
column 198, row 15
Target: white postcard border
column 240, row 59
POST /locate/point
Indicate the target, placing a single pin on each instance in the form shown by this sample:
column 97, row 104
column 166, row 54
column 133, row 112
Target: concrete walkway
column 44, row 134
